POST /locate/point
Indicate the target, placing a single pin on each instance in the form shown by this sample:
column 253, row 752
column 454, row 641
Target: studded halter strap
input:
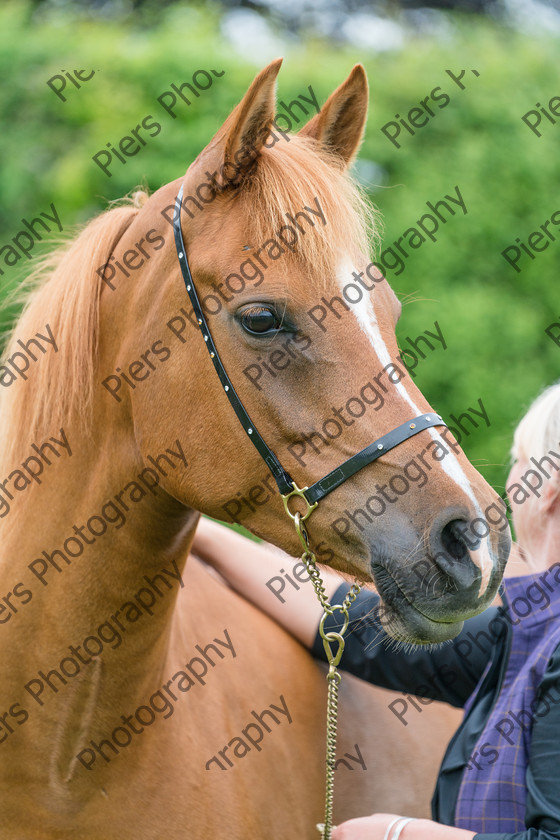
column 285, row 482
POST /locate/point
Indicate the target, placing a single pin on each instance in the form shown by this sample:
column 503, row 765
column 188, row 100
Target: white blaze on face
column 365, row 315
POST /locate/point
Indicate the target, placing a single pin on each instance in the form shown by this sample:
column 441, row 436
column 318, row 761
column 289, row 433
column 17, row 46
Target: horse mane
column 287, row 178
column 64, row 292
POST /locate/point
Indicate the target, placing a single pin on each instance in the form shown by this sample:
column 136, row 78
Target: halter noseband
column 285, row 483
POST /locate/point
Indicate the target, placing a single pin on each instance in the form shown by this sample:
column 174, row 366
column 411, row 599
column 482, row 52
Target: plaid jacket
column 493, row 791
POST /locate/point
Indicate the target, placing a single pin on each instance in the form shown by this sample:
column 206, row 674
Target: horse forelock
column 296, row 173
column 299, row 173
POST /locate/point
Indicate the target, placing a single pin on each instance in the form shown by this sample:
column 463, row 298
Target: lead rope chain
column 329, row 637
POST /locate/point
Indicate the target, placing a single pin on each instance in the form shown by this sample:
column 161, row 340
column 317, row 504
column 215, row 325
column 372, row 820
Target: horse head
column 275, row 227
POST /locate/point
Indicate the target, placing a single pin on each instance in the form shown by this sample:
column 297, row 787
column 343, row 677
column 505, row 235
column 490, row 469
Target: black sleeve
column 542, row 816
column 449, row 672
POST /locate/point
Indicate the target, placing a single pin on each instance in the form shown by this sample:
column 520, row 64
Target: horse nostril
column 453, row 541
column 450, row 551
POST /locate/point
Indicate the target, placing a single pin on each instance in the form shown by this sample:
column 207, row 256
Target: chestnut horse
column 123, row 678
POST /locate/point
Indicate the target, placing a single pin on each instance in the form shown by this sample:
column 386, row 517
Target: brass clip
column 300, row 492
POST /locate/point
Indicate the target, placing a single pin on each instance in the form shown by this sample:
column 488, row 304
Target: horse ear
column 340, row 123
column 248, row 126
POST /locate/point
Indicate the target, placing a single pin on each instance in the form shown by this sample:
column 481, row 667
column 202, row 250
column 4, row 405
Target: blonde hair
column 539, row 430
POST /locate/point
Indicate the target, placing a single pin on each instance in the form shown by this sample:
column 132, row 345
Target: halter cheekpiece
column 285, row 482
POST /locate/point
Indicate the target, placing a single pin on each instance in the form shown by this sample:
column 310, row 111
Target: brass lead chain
column 329, row 639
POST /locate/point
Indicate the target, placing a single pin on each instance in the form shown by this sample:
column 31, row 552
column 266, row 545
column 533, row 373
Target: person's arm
column 382, row 826
column 248, row 566
column 448, row 673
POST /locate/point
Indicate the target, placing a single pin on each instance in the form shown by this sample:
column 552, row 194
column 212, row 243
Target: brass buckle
column 300, row 492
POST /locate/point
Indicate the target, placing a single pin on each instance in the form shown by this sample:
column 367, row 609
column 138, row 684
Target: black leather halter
column 285, row 483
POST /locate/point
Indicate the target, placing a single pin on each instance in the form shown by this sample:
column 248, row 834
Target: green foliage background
column 492, row 317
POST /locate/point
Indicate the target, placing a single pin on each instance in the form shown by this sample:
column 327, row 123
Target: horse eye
column 259, row 320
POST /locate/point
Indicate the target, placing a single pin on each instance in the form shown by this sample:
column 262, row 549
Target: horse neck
column 63, row 599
